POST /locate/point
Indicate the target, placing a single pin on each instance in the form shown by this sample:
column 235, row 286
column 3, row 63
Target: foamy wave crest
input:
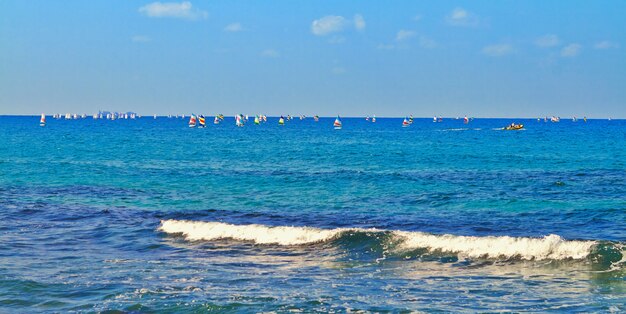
column 548, row 247
column 400, row 242
column 195, row 230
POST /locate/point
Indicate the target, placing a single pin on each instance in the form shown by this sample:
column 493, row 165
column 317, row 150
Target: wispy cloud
column 605, row 45
column 427, row 42
column 233, row 27
column 462, row 17
column 571, row 50
column 549, row 40
column 183, row 10
column 417, row 18
column 337, row 40
column 328, row 25
column 497, row 50
column 339, row 70
column 404, row 34
column 359, row 22
column 385, row 47
column 140, row 39
column 270, row 53
column 335, row 23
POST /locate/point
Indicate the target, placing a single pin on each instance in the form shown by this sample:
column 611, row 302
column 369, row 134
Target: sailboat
column 465, row 120
column 202, row 121
column 281, row 121
column 411, row 119
column 239, row 120
column 256, row 120
column 216, row 120
column 337, row 124
column 316, row 118
column 192, row 121
column 405, row 123
column 374, row 119
column 42, row 121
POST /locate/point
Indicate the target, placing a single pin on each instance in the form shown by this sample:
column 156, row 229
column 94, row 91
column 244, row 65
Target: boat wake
column 401, row 243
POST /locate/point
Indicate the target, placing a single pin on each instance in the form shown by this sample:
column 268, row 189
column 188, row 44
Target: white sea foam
column 548, row 247
column 195, row 230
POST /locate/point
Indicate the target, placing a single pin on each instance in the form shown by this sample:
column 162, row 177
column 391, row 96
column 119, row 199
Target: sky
column 352, row 58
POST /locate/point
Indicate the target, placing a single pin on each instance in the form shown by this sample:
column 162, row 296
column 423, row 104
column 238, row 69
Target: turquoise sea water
column 150, row 215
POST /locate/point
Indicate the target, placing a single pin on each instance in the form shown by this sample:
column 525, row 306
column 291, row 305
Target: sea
column 148, row 215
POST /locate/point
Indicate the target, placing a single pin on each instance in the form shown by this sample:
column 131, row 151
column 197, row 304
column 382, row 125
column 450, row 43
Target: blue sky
column 354, row 58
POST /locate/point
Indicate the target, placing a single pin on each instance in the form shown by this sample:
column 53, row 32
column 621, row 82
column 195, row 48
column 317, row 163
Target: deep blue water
column 82, row 206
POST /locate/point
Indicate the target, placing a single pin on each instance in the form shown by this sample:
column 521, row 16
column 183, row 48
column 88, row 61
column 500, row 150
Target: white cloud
column 427, row 42
column 339, row 70
column 233, row 27
column 328, row 24
column 334, row 23
column 183, row 10
column 498, row 50
column 549, row 40
column 404, row 34
column 270, row 53
column 337, row 40
column 461, row 17
column 359, row 22
column 571, row 50
column 140, row 39
column 605, row 45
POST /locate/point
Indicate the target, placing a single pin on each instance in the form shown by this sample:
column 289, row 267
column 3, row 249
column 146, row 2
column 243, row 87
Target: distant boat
column 434, row 119
column 411, row 119
column 405, row 123
column 239, row 120
column 513, row 127
column 316, row 118
column 192, row 121
column 256, row 120
column 201, row 121
column 337, row 124
column 42, row 121
column 216, row 120
column 281, row 121
column 555, row 119
column 367, row 118
column 155, row 116
column 465, row 120
column 374, row 119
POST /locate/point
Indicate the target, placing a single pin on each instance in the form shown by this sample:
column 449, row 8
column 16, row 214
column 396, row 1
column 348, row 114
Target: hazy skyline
column 353, row 58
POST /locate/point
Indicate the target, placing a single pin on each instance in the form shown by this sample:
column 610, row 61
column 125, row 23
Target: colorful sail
column 256, row 120
column 42, row 121
column 192, row 121
column 374, row 119
column 281, row 121
column 202, row 121
column 405, row 123
column 239, row 120
column 216, row 120
column 337, row 123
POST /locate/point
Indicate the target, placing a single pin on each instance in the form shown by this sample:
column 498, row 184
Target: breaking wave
column 551, row 247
